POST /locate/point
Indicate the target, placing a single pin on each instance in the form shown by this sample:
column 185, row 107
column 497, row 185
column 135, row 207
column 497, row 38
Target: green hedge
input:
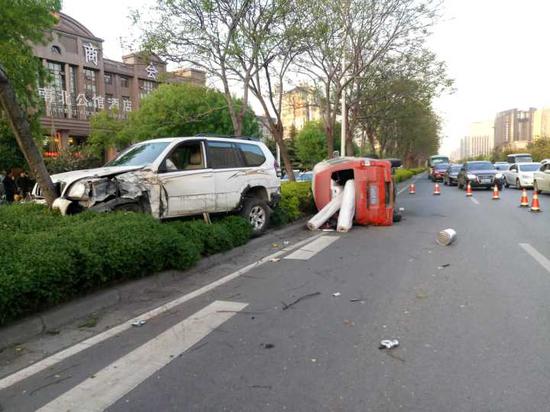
column 296, row 202
column 47, row 259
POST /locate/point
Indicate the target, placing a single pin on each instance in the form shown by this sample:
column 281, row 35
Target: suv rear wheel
column 257, row 212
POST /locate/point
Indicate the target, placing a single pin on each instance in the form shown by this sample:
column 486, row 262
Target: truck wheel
column 257, row 212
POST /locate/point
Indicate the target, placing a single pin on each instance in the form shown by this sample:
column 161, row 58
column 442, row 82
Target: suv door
column 227, row 164
column 187, row 180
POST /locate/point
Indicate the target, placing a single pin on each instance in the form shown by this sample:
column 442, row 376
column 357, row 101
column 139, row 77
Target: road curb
column 81, row 308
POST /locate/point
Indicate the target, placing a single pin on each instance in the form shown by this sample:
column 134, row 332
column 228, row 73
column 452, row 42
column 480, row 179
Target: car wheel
column 518, row 184
column 257, row 212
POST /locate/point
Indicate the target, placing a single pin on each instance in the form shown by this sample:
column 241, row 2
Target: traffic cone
column 437, row 190
column 468, row 190
column 496, row 195
column 524, row 199
column 412, row 189
column 535, row 206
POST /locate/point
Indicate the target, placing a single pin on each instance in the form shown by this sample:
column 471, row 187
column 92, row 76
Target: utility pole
column 344, row 119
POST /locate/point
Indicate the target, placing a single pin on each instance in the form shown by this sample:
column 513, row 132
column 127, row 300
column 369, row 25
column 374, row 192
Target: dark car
column 451, row 175
column 501, row 168
column 479, row 174
column 438, row 172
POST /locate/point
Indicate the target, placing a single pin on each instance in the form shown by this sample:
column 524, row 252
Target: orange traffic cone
column 496, row 195
column 535, row 206
column 412, row 189
column 468, row 190
column 524, row 199
column 437, row 190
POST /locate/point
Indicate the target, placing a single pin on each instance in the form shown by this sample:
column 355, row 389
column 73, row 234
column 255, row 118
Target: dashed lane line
column 535, row 254
column 311, row 249
column 117, row 379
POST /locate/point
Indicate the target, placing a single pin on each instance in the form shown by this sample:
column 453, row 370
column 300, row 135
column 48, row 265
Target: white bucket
column 446, row 237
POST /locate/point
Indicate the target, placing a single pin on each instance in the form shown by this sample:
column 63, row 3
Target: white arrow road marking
column 535, row 254
column 311, row 249
column 94, row 340
column 120, row 377
column 473, row 199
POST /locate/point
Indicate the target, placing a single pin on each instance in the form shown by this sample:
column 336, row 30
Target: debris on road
column 274, row 260
column 336, row 294
column 286, row 243
column 274, row 245
column 139, row 323
column 327, row 230
column 401, row 209
column 357, row 300
column 348, row 322
column 446, row 265
column 309, row 295
column 446, row 237
column 388, row 344
column 267, row 345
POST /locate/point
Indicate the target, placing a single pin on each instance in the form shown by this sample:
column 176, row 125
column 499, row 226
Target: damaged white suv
column 172, row 177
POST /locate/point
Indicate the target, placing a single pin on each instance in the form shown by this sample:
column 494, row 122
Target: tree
column 183, row 110
column 22, row 23
column 353, row 35
column 105, row 129
column 201, row 33
column 10, row 155
column 311, row 143
column 539, row 149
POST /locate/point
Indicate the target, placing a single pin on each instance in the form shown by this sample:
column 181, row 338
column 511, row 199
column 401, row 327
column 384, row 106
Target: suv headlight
column 498, row 175
column 78, row 191
column 471, row 177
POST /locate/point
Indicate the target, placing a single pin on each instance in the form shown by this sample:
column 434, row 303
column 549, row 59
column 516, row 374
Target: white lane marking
column 402, row 190
column 120, row 377
column 473, row 199
column 414, row 178
column 311, row 249
column 535, row 254
column 94, row 340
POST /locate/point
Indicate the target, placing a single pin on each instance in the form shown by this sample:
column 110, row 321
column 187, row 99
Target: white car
column 172, row 177
column 542, row 177
column 521, row 175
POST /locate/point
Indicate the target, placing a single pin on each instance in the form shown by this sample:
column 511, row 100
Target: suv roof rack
column 227, row 136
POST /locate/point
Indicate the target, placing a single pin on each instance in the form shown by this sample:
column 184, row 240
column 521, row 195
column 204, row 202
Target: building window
column 124, row 82
column 146, row 87
column 90, row 89
column 56, row 94
column 108, row 78
column 55, row 50
column 72, row 92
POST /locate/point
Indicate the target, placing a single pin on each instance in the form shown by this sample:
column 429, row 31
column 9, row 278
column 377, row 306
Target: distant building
column 541, row 123
column 479, row 142
column 299, row 106
column 84, row 82
column 514, row 128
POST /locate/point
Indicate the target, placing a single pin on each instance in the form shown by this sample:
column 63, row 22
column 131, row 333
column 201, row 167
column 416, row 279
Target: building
column 479, row 142
column 541, row 123
column 84, row 82
column 299, row 106
column 514, row 128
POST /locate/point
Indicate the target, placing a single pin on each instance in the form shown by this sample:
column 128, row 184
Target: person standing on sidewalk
column 10, row 188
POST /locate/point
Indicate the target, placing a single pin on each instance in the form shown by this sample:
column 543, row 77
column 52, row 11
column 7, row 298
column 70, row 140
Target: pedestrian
column 10, row 187
column 24, row 184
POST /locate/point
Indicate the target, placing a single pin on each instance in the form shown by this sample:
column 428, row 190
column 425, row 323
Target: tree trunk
column 21, row 127
column 277, row 132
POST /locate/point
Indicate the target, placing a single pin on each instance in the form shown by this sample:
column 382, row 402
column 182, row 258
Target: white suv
column 182, row 176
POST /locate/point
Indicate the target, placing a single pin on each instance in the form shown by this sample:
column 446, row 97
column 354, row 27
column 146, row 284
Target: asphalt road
column 472, row 319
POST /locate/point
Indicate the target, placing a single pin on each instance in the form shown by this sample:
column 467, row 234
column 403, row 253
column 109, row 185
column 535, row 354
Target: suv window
column 186, row 156
column 253, row 155
column 224, row 155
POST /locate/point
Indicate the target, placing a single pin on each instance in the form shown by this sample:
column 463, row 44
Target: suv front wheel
column 257, row 212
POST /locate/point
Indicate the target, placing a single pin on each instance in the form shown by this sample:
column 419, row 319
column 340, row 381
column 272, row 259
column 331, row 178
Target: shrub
column 48, row 258
column 296, row 202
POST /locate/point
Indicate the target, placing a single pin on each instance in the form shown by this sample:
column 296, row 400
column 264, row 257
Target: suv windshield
column 480, row 166
column 139, row 155
column 456, row 169
column 441, row 166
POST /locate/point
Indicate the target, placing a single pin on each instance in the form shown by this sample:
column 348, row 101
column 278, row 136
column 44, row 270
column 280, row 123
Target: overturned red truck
column 373, row 183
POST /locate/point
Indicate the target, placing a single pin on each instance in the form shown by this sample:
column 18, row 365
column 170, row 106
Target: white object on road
column 139, row 323
column 311, row 249
column 388, row 344
column 325, row 213
column 120, row 377
column 446, row 237
column 347, row 210
column 336, row 294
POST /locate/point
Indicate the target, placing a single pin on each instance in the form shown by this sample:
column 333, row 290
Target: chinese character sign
column 90, row 53
column 152, row 71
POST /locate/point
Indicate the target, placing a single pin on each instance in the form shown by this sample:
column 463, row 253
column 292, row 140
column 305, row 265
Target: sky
column 497, row 51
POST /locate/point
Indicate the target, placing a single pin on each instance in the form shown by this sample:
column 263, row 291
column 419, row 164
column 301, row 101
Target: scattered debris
column 348, row 322
column 388, row 344
column 261, row 386
column 446, row 237
column 274, row 245
column 401, row 209
column 90, row 322
column 267, row 345
column 313, row 360
column 286, row 242
column 139, row 323
column 446, row 265
column 309, row 295
column 18, row 348
column 357, row 300
column 336, row 294
column 274, row 260
column 327, row 230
